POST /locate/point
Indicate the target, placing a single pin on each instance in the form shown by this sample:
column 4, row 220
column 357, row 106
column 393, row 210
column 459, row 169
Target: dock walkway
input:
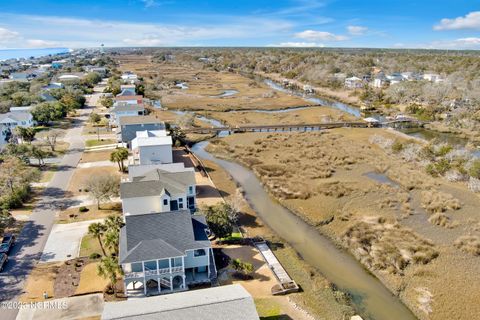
column 286, row 283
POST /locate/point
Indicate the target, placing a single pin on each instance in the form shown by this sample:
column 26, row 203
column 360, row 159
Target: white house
column 158, row 191
column 432, row 77
column 165, row 252
column 129, row 77
column 380, row 80
column 395, row 78
column 14, row 119
column 152, row 147
column 128, row 99
column 353, row 83
column 125, row 110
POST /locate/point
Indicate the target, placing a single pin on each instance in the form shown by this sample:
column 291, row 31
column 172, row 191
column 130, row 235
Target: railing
column 153, row 272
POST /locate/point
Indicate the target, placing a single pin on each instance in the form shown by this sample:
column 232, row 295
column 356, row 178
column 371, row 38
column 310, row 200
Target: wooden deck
column 286, row 283
column 303, row 127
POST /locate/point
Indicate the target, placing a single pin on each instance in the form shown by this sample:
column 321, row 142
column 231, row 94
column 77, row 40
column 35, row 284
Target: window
column 199, row 252
column 190, row 189
column 165, row 202
column 180, row 200
column 180, row 205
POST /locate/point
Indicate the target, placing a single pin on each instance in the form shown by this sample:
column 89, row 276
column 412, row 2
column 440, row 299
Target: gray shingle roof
column 129, row 125
column 231, row 302
column 161, row 235
column 18, row 116
column 128, row 107
column 157, row 182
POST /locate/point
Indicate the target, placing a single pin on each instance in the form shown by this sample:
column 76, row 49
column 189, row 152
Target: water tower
column 102, row 48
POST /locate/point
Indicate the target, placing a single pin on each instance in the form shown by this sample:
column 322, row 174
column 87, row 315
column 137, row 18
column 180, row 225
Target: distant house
column 123, row 110
column 395, row 78
column 129, row 125
column 53, row 85
column 230, row 302
column 21, row 76
column 69, row 78
column 47, row 97
column 353, row 83
column 165, row 252
column 380, row 80
column 152, row 147
column 128, row 99
column 158, row 191
column 127, row 90
column 22, row 109
column 129, row 77
column 432, row 77
column 16, row 119
column 308, row 89
column 102, row 71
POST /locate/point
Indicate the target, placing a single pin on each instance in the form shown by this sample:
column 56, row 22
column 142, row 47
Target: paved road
column 32, row 239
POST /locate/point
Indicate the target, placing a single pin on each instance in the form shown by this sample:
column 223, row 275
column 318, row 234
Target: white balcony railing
column 153, row 272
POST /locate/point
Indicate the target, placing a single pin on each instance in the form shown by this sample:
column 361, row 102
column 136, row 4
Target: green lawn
column 89, row 245
column 269, row 310
column 101, row 142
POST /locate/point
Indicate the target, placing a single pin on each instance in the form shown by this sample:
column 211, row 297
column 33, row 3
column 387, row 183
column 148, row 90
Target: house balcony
column 153, row 272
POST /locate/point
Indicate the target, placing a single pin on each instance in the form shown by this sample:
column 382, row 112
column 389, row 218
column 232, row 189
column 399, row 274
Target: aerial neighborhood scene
column 240, row 160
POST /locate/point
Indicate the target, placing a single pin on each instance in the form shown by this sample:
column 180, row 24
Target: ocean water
column 27, row 53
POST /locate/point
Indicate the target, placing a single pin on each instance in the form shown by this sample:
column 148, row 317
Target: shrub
column 83, row 209
column 474, row 169
column 397, row 146
column 94, row 256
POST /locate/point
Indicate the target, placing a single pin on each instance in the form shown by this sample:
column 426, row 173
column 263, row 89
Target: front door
column 191, row 202
column 173, row 205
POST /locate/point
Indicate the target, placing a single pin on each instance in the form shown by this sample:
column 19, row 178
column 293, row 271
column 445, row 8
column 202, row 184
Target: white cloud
column 38, row 43
column 313, row 35
column 298, row 45
column 356, row 30
column 7, row 35
column 91, row 33
column 470, row 43
column 470, row 21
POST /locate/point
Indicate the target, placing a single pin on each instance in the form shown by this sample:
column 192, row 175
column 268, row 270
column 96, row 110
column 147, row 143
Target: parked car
column 3, row 261
column 7, row 243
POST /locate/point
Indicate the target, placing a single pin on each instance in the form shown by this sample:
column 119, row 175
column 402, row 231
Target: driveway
column 64, row 241
column 32, row 239
column 82, row 307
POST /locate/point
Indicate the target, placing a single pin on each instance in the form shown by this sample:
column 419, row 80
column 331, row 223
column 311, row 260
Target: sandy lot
column 384, row 219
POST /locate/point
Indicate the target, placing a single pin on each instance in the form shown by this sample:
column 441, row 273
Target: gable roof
column 163, row 235
column 156, row 183
column 135, row 97
column 129, row 120
column 127, row 107
column 230, row 302
column 16, row 116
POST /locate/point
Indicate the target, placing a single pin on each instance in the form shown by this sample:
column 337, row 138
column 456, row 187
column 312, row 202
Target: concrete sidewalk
column 81, row 307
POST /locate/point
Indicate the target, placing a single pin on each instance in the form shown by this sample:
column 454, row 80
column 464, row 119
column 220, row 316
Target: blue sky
column 451, row 24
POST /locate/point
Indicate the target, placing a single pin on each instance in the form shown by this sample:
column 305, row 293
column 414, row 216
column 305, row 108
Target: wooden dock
column 286, row 284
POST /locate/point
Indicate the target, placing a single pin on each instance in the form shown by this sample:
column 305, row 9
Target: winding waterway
column 369, row 296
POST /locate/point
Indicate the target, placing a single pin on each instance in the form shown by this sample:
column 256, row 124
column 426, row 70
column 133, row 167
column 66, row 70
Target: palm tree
column 112, row 241
column 118, row 156
column 108, row 268
column 97, row 229
column 113, row 222
column 112, row 236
